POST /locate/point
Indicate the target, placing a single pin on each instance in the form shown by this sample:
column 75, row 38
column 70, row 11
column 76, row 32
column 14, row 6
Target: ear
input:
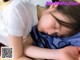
column 53, row 7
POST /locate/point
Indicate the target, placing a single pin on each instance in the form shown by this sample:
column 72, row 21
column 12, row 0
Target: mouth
column 58, row 35
column 54, row 34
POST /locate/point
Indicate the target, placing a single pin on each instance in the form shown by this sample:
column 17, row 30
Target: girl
column 58, row 29
column 18, row 17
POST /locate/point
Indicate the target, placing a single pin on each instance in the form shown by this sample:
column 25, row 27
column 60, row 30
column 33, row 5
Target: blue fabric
column 53, row 42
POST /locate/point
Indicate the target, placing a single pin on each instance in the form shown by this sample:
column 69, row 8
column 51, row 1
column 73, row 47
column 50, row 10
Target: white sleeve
column 15, row 20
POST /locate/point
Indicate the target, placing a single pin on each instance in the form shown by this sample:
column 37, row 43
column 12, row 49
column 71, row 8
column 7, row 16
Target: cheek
column 65, row 30
column 46, row 21
column 46, row 24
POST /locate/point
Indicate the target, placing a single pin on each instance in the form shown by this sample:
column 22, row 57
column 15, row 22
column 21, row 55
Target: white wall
column 39, row 2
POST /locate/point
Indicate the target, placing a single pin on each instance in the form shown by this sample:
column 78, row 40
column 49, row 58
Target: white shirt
column 18, row 18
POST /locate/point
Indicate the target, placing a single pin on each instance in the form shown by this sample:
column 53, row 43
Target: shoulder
column 19, row 3
column 19, row 7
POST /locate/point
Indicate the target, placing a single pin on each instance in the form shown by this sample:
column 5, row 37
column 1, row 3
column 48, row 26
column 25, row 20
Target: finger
column 79, row 48
column 79, row 57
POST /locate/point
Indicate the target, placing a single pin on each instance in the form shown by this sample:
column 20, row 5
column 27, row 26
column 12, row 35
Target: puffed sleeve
column 15, row 17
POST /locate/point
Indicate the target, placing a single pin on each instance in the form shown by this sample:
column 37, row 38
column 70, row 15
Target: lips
column 58, row 34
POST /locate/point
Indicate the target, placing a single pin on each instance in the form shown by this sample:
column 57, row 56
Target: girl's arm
column 67, row 53
column 37, row 52
column 17, row 43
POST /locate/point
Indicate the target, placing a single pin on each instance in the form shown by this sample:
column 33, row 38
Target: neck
column 40, row 11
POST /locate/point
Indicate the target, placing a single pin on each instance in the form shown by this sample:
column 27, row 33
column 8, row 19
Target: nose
column 53, row 32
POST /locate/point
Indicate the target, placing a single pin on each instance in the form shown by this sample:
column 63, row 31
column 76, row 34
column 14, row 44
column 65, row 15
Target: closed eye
column 69, row 25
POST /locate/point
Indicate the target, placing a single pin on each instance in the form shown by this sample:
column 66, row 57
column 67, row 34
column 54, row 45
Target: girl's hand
column 79, row 53
column 68, row 53
column 79, row 57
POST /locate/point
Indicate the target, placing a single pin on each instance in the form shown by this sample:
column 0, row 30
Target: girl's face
column 48, row 24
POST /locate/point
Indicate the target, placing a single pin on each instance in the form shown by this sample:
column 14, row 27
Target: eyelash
column 59, row 27
column 61, row 22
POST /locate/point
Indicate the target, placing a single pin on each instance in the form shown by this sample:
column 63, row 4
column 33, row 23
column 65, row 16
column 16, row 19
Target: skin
column 51, row 27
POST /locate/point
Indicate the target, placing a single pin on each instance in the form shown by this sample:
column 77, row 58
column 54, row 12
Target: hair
column 55, row 0
column 72, row 12
column 5, row 0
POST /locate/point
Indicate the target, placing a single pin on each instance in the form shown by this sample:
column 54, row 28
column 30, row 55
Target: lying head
column 62, row 20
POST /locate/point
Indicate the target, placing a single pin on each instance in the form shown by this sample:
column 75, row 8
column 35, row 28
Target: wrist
column 56, row 54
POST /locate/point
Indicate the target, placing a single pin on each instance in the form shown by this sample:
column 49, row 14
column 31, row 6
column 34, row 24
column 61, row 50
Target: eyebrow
column 69, row 25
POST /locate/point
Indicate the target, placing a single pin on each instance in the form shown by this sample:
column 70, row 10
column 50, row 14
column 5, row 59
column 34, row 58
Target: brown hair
column 72, row 12
column 5, row 0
